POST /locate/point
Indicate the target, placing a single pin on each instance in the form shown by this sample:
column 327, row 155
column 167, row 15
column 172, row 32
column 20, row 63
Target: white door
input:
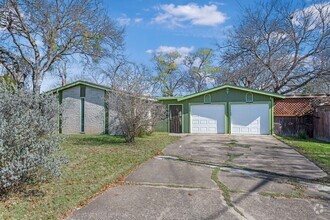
column 249, row 118
column 207, row 119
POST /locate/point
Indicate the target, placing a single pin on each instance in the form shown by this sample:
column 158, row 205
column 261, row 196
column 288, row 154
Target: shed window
column 207, row 98
column 249, row 97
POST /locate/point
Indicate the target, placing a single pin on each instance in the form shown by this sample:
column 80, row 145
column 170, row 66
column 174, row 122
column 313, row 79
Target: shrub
column 137, row 112
column 29, row 141
column 137, row 115
column 303, row 136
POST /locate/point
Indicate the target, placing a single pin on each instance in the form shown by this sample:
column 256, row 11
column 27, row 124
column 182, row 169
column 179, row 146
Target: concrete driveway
column 167, row 188
column 262, row 152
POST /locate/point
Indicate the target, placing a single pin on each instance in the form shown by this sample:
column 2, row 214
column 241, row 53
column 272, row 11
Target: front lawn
column 95, row 162
column 316, row 151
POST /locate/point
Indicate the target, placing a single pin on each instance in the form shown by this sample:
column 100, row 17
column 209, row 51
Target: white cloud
column 183, row 51
column 216, row 3
column 124, row 20
column 178, row 15
column 138, row 20
column 316, row 12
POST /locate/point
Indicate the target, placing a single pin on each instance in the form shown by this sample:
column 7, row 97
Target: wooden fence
column 294, row 125
column 322, row 122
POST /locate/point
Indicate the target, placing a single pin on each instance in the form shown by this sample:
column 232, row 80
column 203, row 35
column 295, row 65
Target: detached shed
column 226, row 109
column 86, row 109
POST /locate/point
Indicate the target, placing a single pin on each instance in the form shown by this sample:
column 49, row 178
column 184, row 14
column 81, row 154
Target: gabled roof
column 80, row 82
column 226, row 86
column 93, row 85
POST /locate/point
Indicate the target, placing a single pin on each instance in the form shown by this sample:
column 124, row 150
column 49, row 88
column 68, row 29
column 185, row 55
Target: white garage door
column 207, row 119
column 249, row 119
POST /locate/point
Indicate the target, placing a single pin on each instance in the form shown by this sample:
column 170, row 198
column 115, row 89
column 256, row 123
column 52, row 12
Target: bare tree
column 35, row 34
column 113, row 70
column 279, row 46
column 62, row 71
column 137, row 112
column 201, row 70
column 169, row 77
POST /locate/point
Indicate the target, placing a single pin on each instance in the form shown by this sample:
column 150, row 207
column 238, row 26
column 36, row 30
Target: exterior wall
column 94, row 116
column 113, row 121
column 225, row 97
column 71, row 110
column 94, row 111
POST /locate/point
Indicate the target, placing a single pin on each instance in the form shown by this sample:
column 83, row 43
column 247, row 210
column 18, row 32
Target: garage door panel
column 195, row 130
column 249, row 118
column 207, row 119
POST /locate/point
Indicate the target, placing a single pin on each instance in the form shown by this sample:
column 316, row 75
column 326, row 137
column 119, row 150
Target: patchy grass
column 315, row 150
column 222, row 187
column 95, row 163
column 225, row 190
column 232, row 156
column 233, row 143
column 298, row 193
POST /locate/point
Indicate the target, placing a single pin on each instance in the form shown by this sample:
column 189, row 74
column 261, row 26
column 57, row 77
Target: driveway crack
column 168, row 185
column 310, row 183
column 225, row 191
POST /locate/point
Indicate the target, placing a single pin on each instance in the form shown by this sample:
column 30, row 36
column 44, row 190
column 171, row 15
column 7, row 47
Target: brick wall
column 71, row 110
column 94, row 111
column 114, row 128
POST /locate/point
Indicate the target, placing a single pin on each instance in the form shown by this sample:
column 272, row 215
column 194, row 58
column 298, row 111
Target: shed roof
column 94, row 85
column 80, row 82
column 226, row 86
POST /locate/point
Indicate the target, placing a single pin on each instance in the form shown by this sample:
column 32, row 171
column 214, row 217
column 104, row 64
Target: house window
column 249, row 97
column 82, row 115
column 207, row 98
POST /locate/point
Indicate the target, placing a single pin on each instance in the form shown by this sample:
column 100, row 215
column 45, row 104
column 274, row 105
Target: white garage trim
column 250, row 118
column 207, row 118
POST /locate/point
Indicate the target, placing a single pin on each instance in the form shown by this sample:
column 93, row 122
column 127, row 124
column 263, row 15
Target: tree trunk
column 37, row 77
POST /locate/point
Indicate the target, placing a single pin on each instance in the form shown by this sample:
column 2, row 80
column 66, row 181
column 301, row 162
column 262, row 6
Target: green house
column 226, row 109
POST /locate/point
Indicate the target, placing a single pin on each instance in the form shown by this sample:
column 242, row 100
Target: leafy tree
column 278, row 46
column 169, row 78
column 201, row 70
column 36, row 34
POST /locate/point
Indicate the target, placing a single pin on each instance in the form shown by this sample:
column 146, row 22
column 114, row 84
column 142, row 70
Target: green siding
column 224, row 96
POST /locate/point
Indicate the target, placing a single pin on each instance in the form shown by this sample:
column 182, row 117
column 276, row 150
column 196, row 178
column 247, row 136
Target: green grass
column 316, row 151
column 95, row 162
column 297, row 194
